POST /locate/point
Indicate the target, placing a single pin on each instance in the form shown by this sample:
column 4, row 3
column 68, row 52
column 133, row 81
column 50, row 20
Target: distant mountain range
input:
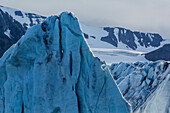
column 132, row 40
column 15, row 22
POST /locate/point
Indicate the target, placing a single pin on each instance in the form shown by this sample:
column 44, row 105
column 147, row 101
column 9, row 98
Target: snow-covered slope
column 144, row 83
column 122, row 38
column 122, row 45
column 52, row 70
column 13, row 24
column 25, row 19
column 10, row 31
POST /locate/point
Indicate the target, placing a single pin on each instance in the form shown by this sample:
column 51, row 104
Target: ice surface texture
column 146, row 83
column 159, row 100
column 52, row 70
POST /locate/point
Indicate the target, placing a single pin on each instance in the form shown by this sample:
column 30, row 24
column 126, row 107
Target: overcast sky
column 139, row 15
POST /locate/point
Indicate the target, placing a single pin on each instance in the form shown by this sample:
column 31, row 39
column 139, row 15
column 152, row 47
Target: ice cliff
column 52, row 70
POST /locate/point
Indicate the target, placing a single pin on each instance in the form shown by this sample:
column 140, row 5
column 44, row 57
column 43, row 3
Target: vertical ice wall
column 52, row 70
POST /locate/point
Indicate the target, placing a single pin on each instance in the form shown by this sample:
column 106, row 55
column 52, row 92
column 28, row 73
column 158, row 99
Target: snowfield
column 118, row 55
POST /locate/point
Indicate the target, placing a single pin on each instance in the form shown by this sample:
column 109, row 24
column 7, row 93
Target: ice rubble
column 144, row 83
column 159, row 101
column 52, row 70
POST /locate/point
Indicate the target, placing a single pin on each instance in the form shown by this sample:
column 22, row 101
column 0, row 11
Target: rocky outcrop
column 163, row 53
column 52, row 70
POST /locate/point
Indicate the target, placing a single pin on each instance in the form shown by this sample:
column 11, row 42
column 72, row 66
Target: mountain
column 122, row 45
column 13, row 24
column 145, row 85
column 162, row 53
column 10, row 31
column 25, row 19
column 121, row 38
column 107, row 43
column 52, row 70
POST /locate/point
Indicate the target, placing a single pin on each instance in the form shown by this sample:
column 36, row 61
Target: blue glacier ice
column 52, row 70
column 145, row 85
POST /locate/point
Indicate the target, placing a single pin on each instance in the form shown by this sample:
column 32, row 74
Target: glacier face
column 52, row 70
column 145, row 85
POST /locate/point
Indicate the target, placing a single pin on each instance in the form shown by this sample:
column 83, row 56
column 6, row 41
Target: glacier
column 145, row 85
column 52, row 70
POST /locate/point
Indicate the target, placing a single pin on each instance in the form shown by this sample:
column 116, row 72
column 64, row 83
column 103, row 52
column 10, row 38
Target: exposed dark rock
column 93, row 37
column 163, row 53
column 111, row 38
column 145, row 40
column 18, row 13
column 128, row 38
column 86, row 35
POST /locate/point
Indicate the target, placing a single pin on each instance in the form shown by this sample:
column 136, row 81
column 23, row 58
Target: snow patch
column 7, row 33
